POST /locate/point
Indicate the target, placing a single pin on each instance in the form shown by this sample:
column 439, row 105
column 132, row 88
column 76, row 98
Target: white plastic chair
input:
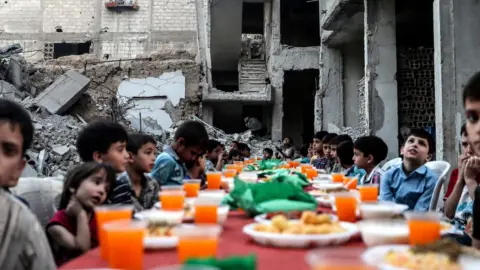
column 391, row 163
column 441, row 168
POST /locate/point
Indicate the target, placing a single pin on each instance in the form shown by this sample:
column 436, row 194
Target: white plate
column 160, row 242
column 301, row 241
column 263, row 218
column 375, row 256
column 222, row 213
column 327, row 186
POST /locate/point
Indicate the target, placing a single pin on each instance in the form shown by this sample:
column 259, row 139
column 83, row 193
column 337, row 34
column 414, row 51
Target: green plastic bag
column 231, row 263
column 269, row 164
column 296, row 179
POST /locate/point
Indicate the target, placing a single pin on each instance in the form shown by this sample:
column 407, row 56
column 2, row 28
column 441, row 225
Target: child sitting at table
column 304, row 158
column 267, row 153
column 235, row 155
column 104, row 142
column 73, row 229
column 317, row 146
column 411, row 183
column 325, row 162
column 134, row 186
column 334, row 142
column 23, row 243
column 345, row 158
column 368, row 152
column 196, row 169
column 190, row 142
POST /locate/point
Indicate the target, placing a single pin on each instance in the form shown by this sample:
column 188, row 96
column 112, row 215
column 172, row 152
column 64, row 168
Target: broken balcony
column 344, row 20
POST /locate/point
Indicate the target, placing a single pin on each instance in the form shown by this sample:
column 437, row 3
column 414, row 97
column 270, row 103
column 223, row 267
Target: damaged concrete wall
column 149, row 98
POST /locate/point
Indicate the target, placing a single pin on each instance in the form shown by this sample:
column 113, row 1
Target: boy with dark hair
column 190, row 142
column 104, row 142
column 368, row 152
column 134, row 186
column 235, row 155
column 267, row 153
column 244, row 149
column 304, row 159
column 317, row 145
column 23, row 242
column 334, row 142
column 345, row 159
column 234, row 145
column 326, row 162
column 411, row 183
column 214, row 157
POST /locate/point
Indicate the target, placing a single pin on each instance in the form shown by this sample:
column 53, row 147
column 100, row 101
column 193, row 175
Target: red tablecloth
column 232, row 242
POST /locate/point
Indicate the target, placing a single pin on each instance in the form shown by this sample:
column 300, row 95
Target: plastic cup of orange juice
column 238, row 163
column 191, row 187
column 311, row 173
column 305, row 167
column 229, row 173
column 322, row 259
column 231, row 167
column 214, row 179
column 172, row 200
column 197, row 241
column 346, row 204
column 368, row 193
column 424, row 227
column 125, row 244
column 108, row 213
column 337, row 177
column 206, row 210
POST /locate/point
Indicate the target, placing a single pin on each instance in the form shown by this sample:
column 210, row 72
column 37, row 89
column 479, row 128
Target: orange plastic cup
column 305, row 167
column 125, row 244
column 346, row 204
column 337, row 177
column 352, row 183
column 368, row 193
column 238, row 163
column 239, row 168
column 206, row 213
column 424, row 227
column 294, row 163
column 191, row 187
column 311, row 173
column 198, row 241
column 108, row 213
column 172, row 200
column 214, row 179
column 284, row 166
column 230, row 173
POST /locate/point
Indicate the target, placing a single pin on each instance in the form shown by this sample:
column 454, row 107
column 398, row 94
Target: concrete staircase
column 252, row 75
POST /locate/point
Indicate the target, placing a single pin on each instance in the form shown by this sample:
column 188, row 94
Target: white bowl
column 384, row 232
column 154, row 215
column 381, row 210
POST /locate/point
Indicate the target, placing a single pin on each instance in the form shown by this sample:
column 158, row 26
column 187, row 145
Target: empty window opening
column 415, row 65
column 252, row 18
column 225, row 80
column 230, row 116
column 64, row 49
column 299, row 23
column 299, row 89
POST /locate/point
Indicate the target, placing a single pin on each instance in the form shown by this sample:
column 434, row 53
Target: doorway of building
column 299, row 89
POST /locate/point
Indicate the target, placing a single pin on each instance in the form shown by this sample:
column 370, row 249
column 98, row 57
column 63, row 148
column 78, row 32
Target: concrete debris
column 10, row 50
column 63, row 93
column 61, row 150
column 7, row 89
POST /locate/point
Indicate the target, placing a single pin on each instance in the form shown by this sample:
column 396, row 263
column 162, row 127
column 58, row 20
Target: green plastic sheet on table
column 231, row 263
column 269, row 164
column 270, row 197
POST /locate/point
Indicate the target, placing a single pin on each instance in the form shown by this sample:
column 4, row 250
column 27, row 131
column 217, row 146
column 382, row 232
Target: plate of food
column 310, row 231
column 160, row 228
column 445, row 254
column 187, row 209
column 189, row 212
column 292, row 216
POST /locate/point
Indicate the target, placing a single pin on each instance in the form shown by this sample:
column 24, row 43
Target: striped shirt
column 373, row 178
column 23, row 244
column 124, row 193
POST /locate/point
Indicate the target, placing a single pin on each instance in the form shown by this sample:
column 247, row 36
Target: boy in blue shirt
column 368, row 152
column 190, row 142
column 344, row 154
column 411, row 183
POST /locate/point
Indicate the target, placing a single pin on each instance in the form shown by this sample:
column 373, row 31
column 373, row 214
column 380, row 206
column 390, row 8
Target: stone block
column 63, row 93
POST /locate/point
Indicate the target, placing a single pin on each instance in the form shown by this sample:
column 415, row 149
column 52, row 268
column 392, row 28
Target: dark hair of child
column 243, row 147
column 345, row 153
column 98, row 137
column 269, row 151
column 372, row 145
column 320, row 135
column 340, row 138
column 234, row 153
column 463, row 130
column 328, row 137
column 471, row 90
column 421, row 133
column 212, row 144
column 137, row 140
column 80, row 173
column 304, row 150
column 194, row 134
column 14, row 114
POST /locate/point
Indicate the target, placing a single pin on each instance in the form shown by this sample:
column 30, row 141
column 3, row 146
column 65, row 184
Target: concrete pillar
column 456, row 60
column 276, row 74
column 207, row 114
column 380, row 70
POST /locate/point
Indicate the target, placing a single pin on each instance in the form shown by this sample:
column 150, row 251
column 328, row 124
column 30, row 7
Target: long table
column 232, row 242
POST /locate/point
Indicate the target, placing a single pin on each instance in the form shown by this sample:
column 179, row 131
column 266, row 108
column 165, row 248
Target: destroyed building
column 298, row 66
